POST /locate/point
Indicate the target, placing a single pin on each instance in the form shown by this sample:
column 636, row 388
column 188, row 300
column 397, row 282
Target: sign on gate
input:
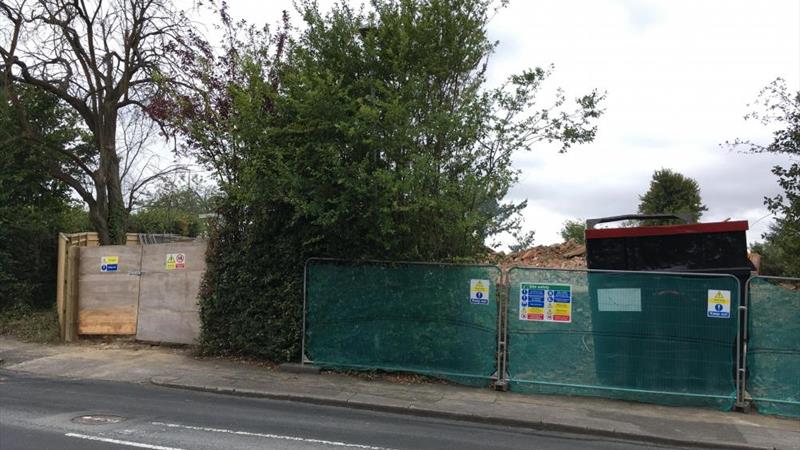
column 479, row 292
column 545, row 302
column 109, row 263
column 719, row 304
column 176, row 261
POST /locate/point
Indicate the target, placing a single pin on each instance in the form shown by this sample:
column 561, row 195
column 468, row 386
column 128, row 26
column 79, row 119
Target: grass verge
column 28, row 324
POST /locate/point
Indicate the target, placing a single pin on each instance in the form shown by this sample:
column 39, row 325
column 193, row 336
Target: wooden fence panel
column 168, row 308
column 108, row 298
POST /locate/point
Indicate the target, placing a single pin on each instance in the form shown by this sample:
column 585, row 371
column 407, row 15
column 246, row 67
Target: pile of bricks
column 568, row 255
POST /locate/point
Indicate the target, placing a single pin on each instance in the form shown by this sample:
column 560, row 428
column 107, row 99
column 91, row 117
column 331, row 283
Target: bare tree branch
column 102, row 58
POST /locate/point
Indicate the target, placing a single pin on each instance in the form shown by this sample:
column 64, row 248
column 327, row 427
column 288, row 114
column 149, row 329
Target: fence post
column 71, row 294
column 502, row 296
column 303, row 359
column 60, row 282
column 741, row 348
column 741, row 358
column 741, row 362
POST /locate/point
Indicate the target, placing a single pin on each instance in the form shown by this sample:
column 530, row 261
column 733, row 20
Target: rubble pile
column 568, row 255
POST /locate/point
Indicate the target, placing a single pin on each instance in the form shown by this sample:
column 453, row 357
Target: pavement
column 178, row 368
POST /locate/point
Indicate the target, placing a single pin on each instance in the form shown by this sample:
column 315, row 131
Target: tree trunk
column 110, row 216
column 117, row 213
column 98, row 219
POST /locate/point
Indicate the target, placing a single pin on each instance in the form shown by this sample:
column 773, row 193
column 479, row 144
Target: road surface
column 52, row 413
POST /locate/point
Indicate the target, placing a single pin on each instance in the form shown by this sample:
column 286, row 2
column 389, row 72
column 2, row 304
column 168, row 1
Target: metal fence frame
column 496, row 377
column 503, row 295
column 739, row 358
column 742, row 402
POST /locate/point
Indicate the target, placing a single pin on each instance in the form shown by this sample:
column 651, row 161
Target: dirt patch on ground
column 130, row 343
column 126, row 342
column 392, row 377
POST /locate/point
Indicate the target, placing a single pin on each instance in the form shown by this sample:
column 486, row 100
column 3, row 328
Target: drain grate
column 98, row 419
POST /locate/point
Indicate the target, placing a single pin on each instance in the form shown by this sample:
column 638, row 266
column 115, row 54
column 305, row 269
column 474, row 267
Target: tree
column 363, row 142
column 779, row 251
column 522, row 241
column 574, row 230
column 173, row 209
column 399, row 117
column 222, row 118
column 33, row 206
column 671, row 192
column 100, row 59
column 780, row 107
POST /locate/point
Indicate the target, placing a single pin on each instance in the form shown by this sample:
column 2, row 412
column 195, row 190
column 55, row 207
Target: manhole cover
column 98, row 419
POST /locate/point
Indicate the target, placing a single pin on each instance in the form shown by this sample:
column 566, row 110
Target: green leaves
column 574, row 230
column 779, row 106
column 33, row 206
column 380, row 141
column 671, row 192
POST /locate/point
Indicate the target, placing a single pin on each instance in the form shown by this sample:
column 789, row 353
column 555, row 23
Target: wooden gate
column 108, row 289
column 145, row 290
column 170, row 281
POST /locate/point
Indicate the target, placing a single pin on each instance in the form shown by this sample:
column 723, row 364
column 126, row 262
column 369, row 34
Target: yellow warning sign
column 479, row 292
column 109, row 263
column 719, row 304
column 175, row 261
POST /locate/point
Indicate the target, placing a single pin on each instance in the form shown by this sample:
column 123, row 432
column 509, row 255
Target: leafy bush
column 33, row 207
column 24, row 322
column 173, row 210
column 574, row 230
column 355, row 142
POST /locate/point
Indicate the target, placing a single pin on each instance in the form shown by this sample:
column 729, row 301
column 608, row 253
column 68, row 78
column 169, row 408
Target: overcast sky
column 678, row 75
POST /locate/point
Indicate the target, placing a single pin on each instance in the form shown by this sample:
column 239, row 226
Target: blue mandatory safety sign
column 719, row 304
column 479, row 292
column 109, row 263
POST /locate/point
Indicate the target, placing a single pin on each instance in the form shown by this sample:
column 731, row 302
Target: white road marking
column 270, row 436
column 119, row 442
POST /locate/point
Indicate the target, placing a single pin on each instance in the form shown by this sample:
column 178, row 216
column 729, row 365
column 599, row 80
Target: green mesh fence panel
column 431, row 319
column 773, row 349
column 633, row 336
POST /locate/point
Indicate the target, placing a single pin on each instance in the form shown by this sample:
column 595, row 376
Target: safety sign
column 109, row 263
column 545, row 302
column 719, row 304
column 479, row 292
column 176, row 261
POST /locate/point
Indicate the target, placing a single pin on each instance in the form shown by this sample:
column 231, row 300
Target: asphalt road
column 40, row 413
